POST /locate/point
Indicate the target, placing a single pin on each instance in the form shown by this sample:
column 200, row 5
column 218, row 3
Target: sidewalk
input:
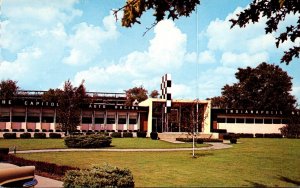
column 42, row 181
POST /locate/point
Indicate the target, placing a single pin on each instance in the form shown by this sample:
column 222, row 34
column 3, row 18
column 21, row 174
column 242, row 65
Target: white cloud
column 206, row 57
column 230, row 59
column 166, row 52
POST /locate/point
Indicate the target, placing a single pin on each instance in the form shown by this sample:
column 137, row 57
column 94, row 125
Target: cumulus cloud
column 166, row 52
column 206, row 57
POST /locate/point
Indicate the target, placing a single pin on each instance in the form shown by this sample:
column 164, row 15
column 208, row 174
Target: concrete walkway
column 214, row 146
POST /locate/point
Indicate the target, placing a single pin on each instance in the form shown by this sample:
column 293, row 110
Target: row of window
column 85, row 120
column 252, row 120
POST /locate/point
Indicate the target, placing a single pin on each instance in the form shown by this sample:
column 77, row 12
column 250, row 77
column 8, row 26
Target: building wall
column 250, row 128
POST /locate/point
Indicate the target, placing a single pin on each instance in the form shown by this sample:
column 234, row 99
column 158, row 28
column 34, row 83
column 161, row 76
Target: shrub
column 25, row 135
column 245, row 135
column 39, row 135
column 58, row 130
column 9, row 135
column 87, row 141
column 141, row 134
column 4, row 151
column 97, row 176
column 127, row 135
column 184, row 139
column 220, row 130
column 212, row 140
column 54, row 135
column 103, row 133
column 116, row 135
column 233, row 140
column 200, row 141
column 259, row 135
column 154, row 135
column 273, row 135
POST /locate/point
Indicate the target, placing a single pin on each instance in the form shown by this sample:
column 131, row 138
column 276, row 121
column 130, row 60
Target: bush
column 220, row 130
column 141, row 134
column 273, row 135
column 127, row 135
column 54, row 135
column 200, row 141
column 58, row 130
column 116, row 135
column 154, row 135
column 4, row 151
column 25, row 135
column 87, row 141
column 9, row 135
column 106, row 176
column 233, row 140
column 245, row 135
column 259, row 135
column 39, row 135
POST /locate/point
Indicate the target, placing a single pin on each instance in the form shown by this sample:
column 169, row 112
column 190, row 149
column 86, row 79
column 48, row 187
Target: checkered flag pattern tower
column 166, row 84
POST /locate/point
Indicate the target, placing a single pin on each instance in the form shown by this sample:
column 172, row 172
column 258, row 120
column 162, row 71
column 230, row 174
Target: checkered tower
column 166, row 84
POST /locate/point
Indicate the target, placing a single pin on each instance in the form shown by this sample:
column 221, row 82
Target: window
column 240, row 120
column 249, row 120
column 221, row 120
column 268, row 121
column 276, row 121
column 99, row 120
column 285, row 121
column 169, row 83
column 47, row 119
column 132, row 121
column 86, row 120
column 111, row 120
column 230, row 120
column 19, row 119
column 259, row 121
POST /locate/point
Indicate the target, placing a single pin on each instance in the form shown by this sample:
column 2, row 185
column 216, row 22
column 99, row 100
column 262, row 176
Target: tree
column 274, row 10
column 217, row 102
column 8, row 89
column 154, row 94
column 266, row 87
column 292, row 128
column 70, row 101
column 136, row 93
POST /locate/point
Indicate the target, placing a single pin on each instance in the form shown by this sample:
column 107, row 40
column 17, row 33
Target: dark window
column 259, row 121
column 221, row 120
column 249, row 120
column 268, row 121
column 4, row 119
column 230, row 120
column 240, row 120
column 169, row 83
column 111, row 121
column 86, row 120
column 276, row 121
column 132, row 121
column 33, row 119
column 122, row 121
column 285, row 121
column 99, row 120
column 47, row 119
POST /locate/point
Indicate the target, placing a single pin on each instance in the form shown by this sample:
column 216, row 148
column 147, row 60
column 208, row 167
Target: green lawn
column 117, row 143
column 254, row 163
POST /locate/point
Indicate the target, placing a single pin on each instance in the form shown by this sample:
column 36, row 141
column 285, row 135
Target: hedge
column 25, row 135
column 245, row 135
column 39, row 135
column 116, row 135
column 200, row 140
column 54, row 135
column 154, row 135
column 127, row 135
column 9, row 135
column 97, row 176
column 273, row 135
column 233, row 140
column 87, row 141
column 39, row 166
column 141, row 134
column 259, row 135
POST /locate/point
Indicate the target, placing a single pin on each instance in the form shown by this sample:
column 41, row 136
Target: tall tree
column 136, row 93
column 70, row 101
column 274, row 10
column 266, row 87
column 154, row 94
column 8, row 89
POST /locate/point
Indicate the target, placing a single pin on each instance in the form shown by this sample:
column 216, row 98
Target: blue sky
column 46, row 42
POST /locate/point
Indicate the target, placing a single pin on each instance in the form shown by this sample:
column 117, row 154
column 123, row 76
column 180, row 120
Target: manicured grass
column 254, row 162
column 117, row 143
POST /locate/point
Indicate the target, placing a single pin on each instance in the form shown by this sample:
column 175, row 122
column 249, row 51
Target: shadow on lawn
column 286, row 179
column 197, row 155
column 255, row 184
